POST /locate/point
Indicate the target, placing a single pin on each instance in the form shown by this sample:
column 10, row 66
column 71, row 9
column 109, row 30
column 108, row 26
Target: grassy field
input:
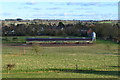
column 99, row 60
column 107, row 22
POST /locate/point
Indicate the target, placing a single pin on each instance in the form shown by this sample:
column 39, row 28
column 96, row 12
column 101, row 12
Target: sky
column 64, row 9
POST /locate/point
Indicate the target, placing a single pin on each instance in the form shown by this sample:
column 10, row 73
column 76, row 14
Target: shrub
column 36, row 48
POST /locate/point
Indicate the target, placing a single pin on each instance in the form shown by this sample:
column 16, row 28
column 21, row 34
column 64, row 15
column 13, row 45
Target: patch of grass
column 100, row 41
column 36, row 48
column 95, row 61
column 106, row 22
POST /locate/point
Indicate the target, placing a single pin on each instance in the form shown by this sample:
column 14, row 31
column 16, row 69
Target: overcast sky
column 65, row 10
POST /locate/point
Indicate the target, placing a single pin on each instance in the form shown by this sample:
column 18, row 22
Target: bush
column 36, row 48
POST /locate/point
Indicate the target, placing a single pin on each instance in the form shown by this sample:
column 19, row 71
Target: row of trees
column 43, row 29
column 105, row 30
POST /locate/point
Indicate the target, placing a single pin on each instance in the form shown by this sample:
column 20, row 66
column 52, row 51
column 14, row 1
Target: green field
column 99, row 60
column 106, row 22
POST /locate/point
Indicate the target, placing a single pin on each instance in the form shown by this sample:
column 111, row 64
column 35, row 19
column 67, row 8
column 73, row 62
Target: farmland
column 99, row 60
column 63, row 39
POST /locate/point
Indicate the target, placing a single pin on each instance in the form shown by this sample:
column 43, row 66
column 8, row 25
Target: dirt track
column 47, row 44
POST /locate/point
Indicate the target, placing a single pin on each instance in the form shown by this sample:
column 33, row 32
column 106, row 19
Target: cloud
column 44, row 14
column 59, row 14
column 29, row 8
column 54, row 8
column 71, row 16
column 57, row 3
column 26, row 7
column 36, row 8
column 83, row 8
column 107, row 4
column 92, row 3
column 82, row 3
column 30, row 3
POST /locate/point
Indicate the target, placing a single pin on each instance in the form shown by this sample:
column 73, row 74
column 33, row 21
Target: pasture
column 106, row 22
column 99, row 60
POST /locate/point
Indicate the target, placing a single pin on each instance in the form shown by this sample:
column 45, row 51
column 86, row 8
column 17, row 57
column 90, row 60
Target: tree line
column 105, row 31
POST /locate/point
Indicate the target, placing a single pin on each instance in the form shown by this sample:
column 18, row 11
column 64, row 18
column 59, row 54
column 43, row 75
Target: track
column 48, row 44
column 66, row 44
